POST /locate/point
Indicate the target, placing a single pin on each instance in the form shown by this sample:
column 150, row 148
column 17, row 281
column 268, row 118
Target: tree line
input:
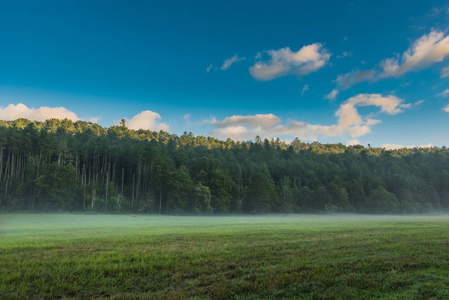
column 60, row 165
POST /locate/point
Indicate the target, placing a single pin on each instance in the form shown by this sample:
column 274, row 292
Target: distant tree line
column 60, row 165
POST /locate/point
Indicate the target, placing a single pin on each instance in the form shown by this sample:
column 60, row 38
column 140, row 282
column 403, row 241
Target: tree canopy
column 65, row 165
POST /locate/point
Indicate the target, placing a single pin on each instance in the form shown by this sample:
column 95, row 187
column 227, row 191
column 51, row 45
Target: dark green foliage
column 202, row 199
column 381, row 201
column 57, row 187
column 61, row 165
column 259, row 195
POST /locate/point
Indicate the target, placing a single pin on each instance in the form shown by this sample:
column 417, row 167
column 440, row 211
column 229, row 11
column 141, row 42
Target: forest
column 60, row 165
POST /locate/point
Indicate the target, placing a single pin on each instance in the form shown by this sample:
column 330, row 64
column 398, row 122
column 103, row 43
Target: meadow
column 223, row 257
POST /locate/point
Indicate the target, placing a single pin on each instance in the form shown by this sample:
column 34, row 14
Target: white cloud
column 284, row 62
column 147, row 120
column 428, row 49
column 445, row 72
column 332, row 95
column 444, row 94
column 353, row 142
column 426, row 146
column 349, row 121
column 390, row 104
column 13, row 112
column 304, row 89
column 235, row 133
column 425, row 51
column 94, row 119
column 345, row 54
column 446, row 108
column 209, row 68
column 392, row 146
column 397, row 146
column 259, row 120
column 228, row 62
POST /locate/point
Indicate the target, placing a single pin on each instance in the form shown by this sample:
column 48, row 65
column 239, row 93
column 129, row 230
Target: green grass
column 248, row 257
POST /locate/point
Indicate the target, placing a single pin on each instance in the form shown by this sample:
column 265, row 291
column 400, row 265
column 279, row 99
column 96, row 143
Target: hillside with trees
column 60, row 165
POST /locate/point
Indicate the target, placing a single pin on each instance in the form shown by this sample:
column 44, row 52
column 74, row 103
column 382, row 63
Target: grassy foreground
column 250, row 257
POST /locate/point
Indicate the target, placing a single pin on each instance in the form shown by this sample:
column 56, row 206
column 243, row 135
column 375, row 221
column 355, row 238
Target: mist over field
column 42, row 225
column 152, row 256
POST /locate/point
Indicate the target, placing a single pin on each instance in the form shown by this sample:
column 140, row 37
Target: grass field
column 248, row 257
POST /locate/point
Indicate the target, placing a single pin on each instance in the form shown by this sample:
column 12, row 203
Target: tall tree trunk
column 93, row 198
column 113, row 173
column 1, row 163
column 132, row 197
column 12, row 165
column 83, row 184
column 37, row 176
column 160, row 202
column 139, row 176
column 123, row 178
column 7, row 172
column 107, row 185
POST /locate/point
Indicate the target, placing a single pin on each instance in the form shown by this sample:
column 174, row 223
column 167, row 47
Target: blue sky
column 161, row 65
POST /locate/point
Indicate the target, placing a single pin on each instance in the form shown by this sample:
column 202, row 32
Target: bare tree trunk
column 12, row 166
column 83, row 184
column 160, row 202
column 37, row 176
column 77, row 162
column 104, row 170
column 132, row 198
column 113, row 173
column 123, row 178
column 139, row 175
column 240, row 178
column 7, row 173
column 1, row 163
column 21, row 169
column 284, row 190
column 97, row 168
column 93, row 198
column 107, row 185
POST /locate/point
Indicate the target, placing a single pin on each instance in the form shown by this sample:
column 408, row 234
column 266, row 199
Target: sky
column 355, row 72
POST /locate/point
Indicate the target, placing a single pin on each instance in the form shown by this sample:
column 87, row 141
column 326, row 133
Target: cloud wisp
column 305, row 89
column 285, row 62
column 444, row 94
column 445, row 72
column 349, row 121
column 425, row 51
column 345, row 54
column 332, row 95
column 446, row 108
column 230, row 61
